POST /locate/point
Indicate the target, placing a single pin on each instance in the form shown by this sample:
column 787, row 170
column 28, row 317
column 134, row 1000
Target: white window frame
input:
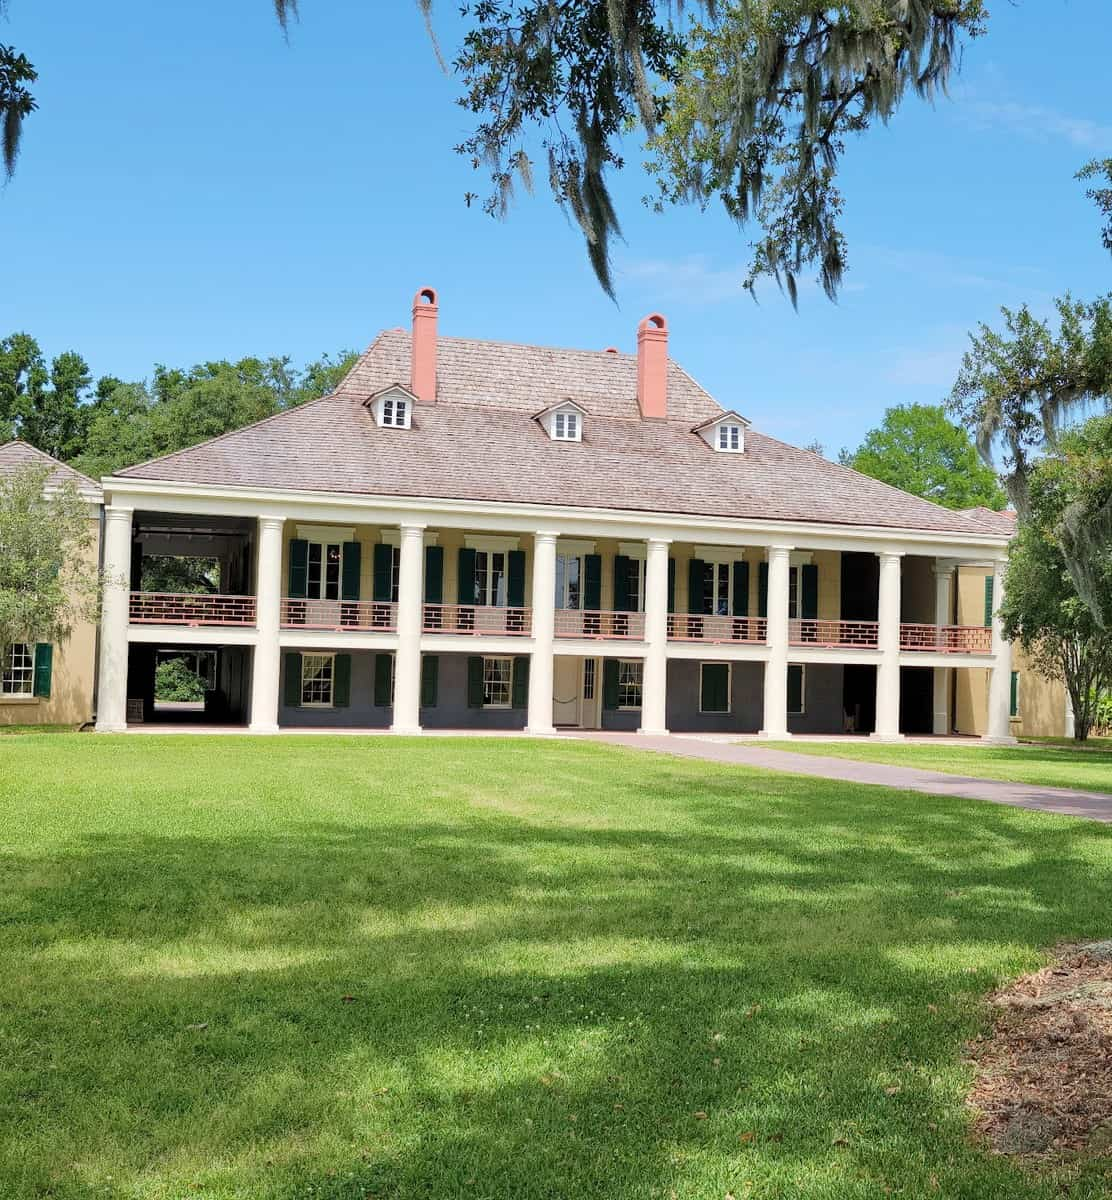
column 729, row 438
column 394, row 409
column 590, row 680
column 562, row 593
column 331, row 701
column 802, row 710
column 509, row 667
column 717, row 568
column 26, row 672
column 486, row 595
column 639, row 684
column 566, row 427
column 718, row 712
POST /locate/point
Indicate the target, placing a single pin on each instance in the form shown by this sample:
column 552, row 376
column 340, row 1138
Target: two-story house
column 472, row 534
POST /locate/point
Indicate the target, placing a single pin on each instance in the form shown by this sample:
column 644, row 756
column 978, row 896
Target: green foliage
column 1066, row 637
column 1101, row 168
column 44, row 407
column 918, row 450
column 1102, row 712
column 174, row 680
column 48, row 573
column 16, row 101
column 1022, row 386
column 180, row 576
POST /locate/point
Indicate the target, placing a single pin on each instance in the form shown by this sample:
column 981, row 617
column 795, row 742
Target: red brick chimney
column 652, row 367
column 422, row 368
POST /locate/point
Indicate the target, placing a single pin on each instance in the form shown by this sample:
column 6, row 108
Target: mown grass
column 342, row 968
column 1046, row 765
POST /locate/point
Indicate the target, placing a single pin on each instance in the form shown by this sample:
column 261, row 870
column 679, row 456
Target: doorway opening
column 576, row 692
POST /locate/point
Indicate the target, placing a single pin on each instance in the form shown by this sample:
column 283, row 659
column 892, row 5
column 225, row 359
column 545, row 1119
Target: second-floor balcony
column 695, row 627
column 354, row 615
column 599, row 624
column 478, row 620
column 947, row 639
column 188, row 608
column 833, row 634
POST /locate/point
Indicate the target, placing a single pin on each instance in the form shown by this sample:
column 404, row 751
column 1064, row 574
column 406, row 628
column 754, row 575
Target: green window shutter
column 383, row 667
column 795, row 688
column 809, row 592
column 465, row 586
column 292, row 693
column 383, row 561
column 696, row 585
column 341, row 681
column 299, row 570
column 621, row 583
column 671, row 585
column 610, row 684
column 1014, row 709
column 989, row 581
column 520, row 689
column 762, row 589
column 515, row 581
column 44, row 669
column 474, row 680
column 741, row 588
column 715, row 694
column 430, row 680
column 592, row 581
column 350, row 569
column 434, row 574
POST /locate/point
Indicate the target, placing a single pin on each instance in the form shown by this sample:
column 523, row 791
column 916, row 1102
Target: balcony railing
column 947, row 639
column 807, row 631
column 171, row 608
column 478, row 619
column 366, row 615
column 695, row 627
column 597, row 623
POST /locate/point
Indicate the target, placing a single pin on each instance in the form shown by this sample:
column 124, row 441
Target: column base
column 405, row 730
column 540, row 730
column 887, row 737
column 263, row 728
column 775, row 735
column 990, row 740
column 645, row 732
column 110, row 727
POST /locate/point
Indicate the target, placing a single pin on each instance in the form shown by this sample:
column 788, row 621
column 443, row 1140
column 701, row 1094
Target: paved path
column 1067, row 801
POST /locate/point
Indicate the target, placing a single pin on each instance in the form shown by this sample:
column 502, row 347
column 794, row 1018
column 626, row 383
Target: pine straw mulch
column 1043, row 1086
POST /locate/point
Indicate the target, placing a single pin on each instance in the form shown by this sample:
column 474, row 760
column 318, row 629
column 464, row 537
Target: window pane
column 332, row 572
column 316, row 679
column 722, row 591
column 572, row 422
column 399, row 413
column 481, row 577
column 589, row 679
column 573, row 592
column 395, row 571
column 19, row 670
column 313, row 582
column 793, row 592
column 498, row 579
column 497, row 674
column 629, row 684
column 559, row 425
column 636, row 567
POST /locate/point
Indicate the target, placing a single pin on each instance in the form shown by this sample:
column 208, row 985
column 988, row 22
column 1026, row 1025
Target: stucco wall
column 73, row 675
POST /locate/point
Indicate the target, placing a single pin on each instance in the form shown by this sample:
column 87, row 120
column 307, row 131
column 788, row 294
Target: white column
column 1000, row 677
column 265, row 667
column 776, row 668
column 943, row 610
column 654, row 681
column 888, row 641
column 544, row 616
column 112, row 684
column 407, row 663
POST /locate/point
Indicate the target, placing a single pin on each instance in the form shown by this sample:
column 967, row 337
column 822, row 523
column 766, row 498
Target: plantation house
column 471, row 534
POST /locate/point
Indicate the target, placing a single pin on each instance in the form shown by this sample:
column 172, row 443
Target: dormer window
column 724, row 433
column 565, row 427
column 392, row 407
column 563, row 421
column 395, row 412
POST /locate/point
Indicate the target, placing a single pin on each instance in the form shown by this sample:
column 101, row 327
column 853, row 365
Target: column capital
column 890, row 555
column 270, row 521
column 412, row 528
column 658, row 543
column 118, row 512
column 779, row 551
column 546, row 535
column 944, row 569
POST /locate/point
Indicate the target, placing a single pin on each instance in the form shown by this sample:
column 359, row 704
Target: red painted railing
column 477, row 619
column 684, row 627
column 171, row 608
column 597, row 623
column 849, row 634
column 369, row 615
column 947, row 639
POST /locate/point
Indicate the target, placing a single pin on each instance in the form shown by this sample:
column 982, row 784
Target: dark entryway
column 226, row 695
column 859, row 695
column 916, row 700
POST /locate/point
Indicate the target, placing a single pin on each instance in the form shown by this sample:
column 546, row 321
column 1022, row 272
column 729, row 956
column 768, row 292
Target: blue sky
column 195, row 187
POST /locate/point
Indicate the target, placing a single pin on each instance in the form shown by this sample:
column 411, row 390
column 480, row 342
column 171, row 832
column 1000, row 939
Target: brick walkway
column 1097, row 806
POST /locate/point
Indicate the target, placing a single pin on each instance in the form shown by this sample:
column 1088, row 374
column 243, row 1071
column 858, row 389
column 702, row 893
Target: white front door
column 565, row 690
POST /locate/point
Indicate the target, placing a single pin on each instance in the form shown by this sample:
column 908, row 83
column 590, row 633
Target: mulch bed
column 1043, row 1085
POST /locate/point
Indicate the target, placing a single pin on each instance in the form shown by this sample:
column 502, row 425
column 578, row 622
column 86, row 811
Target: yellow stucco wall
column 72, row 678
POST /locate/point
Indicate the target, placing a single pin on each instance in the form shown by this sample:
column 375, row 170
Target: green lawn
column 342, row 968
column 1048, row 765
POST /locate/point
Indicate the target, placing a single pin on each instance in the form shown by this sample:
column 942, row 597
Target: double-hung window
column 565, row 427
column 635, row 585
column 629, row 683
column 490, row 578
column 569, row 581
column 717, row 588
column 395, row 412
column 318, row 673
column 323, row 577
column 729, row 437
column 497, row 682
column 18, row 678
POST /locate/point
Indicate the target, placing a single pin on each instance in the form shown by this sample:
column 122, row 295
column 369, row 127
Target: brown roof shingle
column 479, row 442
column 17, row 454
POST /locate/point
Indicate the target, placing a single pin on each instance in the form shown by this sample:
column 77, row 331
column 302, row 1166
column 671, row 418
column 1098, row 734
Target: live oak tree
column 918, row 449
column 43, row 405
column 48, row 573
column 1065, row 637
